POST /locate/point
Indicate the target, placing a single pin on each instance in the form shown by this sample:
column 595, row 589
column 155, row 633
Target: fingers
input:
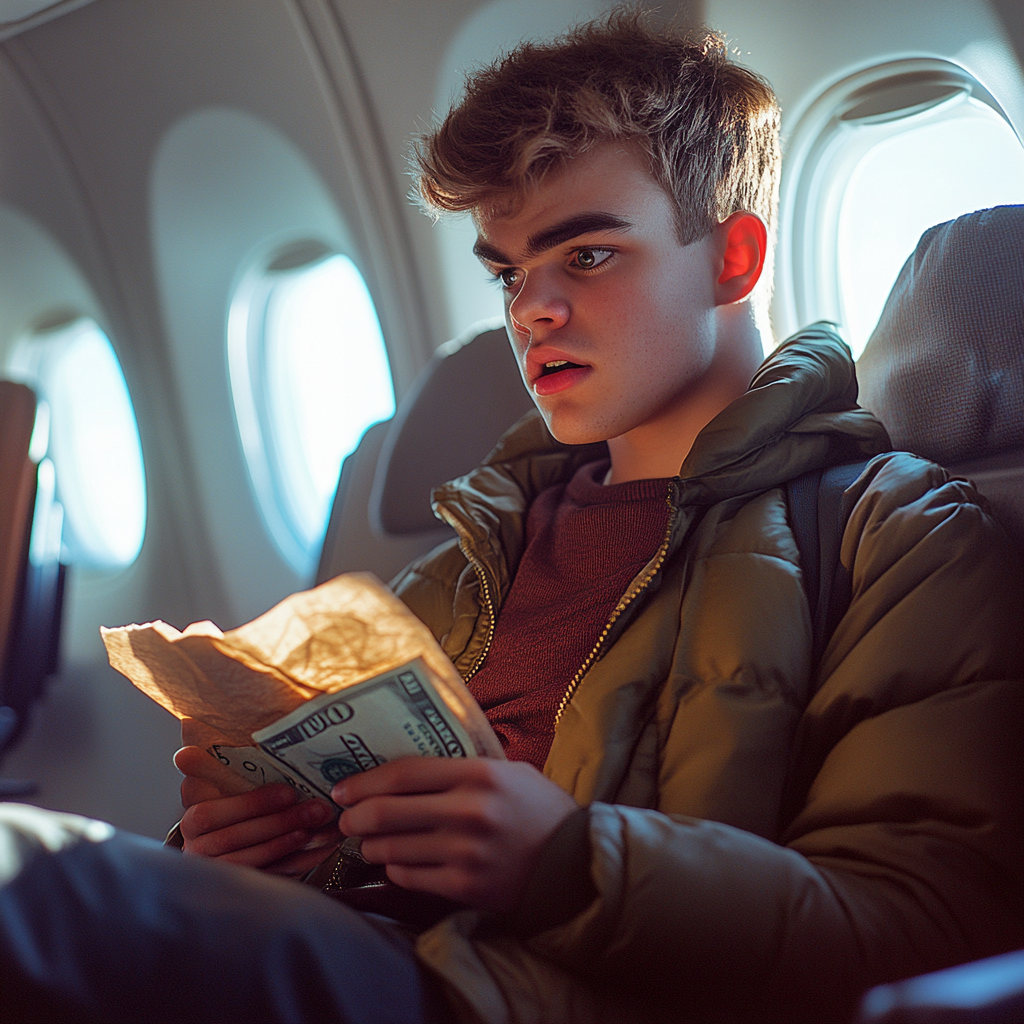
column 259, row 843
column 263, row 828
column 200, row 764
column 257, row 828
column 450, row 882
column 264, row 855
column 426, row 849
column 194, row 791
column 211, row 815
column 297, row 864
column 190, row 760
column 414, row 775
column 466, row 829
column 466, row 810
column 440, row 880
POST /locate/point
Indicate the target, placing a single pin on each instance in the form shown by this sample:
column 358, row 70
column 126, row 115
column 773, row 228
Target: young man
column 695, row 822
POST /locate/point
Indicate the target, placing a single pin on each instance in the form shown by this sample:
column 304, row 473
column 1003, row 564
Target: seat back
column 468, row 395
column 17, row 494
column 944, row 368
column 31, row 575
column 351, row 542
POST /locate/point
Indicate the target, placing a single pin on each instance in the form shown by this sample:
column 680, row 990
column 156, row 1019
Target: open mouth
column 557, row 365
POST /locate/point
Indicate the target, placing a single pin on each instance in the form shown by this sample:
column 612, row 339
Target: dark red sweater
column 584, row 544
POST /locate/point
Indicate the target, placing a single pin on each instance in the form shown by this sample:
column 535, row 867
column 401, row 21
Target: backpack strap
column 818, row 518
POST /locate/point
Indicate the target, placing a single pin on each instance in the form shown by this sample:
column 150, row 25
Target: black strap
column 817, row 516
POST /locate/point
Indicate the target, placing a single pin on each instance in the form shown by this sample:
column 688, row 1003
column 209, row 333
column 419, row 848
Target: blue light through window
column 922, row 170
column 86, row 424
column 309, row 373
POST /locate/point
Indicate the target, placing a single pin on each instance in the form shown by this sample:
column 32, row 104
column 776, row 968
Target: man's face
column 610, row 318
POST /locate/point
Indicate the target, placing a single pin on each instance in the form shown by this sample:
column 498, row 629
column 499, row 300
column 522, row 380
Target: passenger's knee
column 26, row 832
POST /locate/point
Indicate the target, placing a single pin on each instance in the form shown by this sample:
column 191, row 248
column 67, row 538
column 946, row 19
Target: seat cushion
column 466, row 398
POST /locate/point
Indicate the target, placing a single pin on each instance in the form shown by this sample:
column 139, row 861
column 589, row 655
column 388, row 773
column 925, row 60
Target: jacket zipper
column 481, row 575
column 624, row 602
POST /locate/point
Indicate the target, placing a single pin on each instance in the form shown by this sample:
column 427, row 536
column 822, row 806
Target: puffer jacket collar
column 799, row 414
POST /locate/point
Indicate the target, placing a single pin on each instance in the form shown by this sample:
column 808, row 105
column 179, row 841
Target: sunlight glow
column 310, row 373
column 327, row 378
column 93, row 440
column 931, row 169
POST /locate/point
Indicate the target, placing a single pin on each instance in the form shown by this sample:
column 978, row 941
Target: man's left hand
column 468, row 829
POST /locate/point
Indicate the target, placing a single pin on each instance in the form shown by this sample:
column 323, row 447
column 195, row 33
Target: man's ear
column 743, row 246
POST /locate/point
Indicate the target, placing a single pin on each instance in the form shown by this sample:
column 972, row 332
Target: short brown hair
column 708, row 127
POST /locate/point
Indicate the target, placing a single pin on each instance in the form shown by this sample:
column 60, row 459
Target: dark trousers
column 100, row 925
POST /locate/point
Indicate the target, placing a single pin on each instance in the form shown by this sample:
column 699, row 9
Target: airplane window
column 85, row 423
column 874, row 162
column 939, row 165
column 309, row 373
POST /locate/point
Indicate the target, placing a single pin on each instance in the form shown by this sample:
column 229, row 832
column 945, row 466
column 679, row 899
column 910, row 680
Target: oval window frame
column 33, row 358
column 820, row 161
column 247, row 359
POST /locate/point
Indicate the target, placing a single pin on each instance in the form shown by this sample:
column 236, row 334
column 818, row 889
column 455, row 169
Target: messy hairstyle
column 708, row 128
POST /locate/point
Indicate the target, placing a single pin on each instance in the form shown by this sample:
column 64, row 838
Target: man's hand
column 265, row 828
column 468, row 829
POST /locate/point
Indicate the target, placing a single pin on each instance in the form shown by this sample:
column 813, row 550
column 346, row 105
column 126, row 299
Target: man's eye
column 588, row 259
column 509, row 277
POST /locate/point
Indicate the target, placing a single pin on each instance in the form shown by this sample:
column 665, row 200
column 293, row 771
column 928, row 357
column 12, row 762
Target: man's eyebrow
column 570, row 228
column 485, row 251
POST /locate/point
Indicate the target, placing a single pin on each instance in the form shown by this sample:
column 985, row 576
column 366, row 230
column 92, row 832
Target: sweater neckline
column 586, row 486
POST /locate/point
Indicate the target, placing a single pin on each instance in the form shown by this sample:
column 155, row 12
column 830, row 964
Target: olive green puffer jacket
column 768, row 838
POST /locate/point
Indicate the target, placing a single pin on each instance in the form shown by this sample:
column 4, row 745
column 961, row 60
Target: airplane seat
column 351, row 543
column 467, row 396
column 31, row 587
column 17, row 492
column 944, row 371
column 944, row 368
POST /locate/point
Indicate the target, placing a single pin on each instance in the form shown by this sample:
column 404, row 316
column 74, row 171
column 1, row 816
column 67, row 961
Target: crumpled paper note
column 317, row 641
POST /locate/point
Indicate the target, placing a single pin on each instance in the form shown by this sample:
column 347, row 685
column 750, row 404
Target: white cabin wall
column 204, row 229
column 401, row 44
column 802, row 46
column 102, row 87
column 91, row 746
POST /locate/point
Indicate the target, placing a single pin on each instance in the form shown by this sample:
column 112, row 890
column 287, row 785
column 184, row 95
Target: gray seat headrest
column 944, row 368
column 468, row 395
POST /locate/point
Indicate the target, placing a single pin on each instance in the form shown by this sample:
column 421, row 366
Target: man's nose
column 540, row 306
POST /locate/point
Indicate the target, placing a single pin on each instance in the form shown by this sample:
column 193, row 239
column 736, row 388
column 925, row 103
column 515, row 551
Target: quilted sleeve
column 903, row 847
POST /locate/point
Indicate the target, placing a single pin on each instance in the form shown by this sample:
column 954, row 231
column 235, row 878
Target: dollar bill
column 395, row 714
column 258, row 769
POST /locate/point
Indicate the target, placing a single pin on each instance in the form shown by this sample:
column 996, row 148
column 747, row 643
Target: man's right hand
column 265, row 828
